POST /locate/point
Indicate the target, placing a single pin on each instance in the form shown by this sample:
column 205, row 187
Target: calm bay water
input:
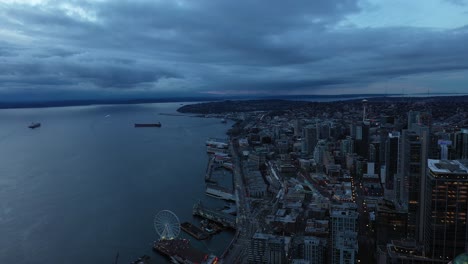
column 87, row 184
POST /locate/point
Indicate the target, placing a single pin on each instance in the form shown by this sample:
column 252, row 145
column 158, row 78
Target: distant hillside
column 226, row 106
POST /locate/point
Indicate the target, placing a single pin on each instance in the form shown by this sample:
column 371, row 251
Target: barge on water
column 194, row 231
column 180, row 251
column 148, row 124
column 34, row 125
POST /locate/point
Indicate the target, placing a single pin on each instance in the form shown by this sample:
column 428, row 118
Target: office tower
column 315, row 249
column 258, row 248
column 424, row 134
column 320, row 151
column 382, row 139
column 372, row 153
column 447, row 207
column 276, row 253
column 309, row 138
column 276, row 132
column 412, row 171
column 362, row 139
column 346, row 248
column 324, row 131
column 390, row 222
column 412, row 119
column 391, row 158
column 347, row 146
column 461, row 144
column 297, row 127
column 342, row 221
column 364, row 108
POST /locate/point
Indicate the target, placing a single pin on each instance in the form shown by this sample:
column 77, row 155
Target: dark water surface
column 87, row 184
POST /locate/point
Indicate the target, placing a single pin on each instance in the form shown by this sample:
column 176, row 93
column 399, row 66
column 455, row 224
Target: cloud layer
column 233, row 47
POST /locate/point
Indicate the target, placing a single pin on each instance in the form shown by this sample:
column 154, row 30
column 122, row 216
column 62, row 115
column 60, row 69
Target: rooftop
column 447, row 166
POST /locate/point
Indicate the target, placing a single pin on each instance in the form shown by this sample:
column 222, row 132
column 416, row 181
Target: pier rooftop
column 182, row 250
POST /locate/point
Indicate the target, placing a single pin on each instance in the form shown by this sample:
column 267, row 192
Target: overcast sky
column 232, row 47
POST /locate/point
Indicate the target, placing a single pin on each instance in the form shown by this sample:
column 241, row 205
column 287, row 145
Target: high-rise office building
column 276, row 252
column 390, row 222
column 320, row 151
column 267, row 248
column 315, row 249
column 346, row 248
column 309, row 138
column 446, row 202
column 341, row 221
column 258, row 248
column 347, row 146
column 324, row 131
column 362, row 139
column 412, row 119
column 373, row 153
column 392, row 146
column 461, row 144
column 412, row 171
column 298, row 127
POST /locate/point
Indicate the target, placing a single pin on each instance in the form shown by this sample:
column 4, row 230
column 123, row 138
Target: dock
column 209, row 169
column 145, row 259
column 194, row 231
column 180, row 251
column 219, row 192
column 224, row 219
column 211, row 227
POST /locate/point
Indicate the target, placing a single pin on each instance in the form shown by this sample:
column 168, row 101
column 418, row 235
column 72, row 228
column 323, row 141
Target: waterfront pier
column 224, row 219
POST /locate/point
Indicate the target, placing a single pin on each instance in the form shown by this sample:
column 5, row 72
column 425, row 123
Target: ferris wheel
column 167, row 224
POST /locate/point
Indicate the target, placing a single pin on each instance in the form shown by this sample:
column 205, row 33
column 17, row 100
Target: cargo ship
column 34, row 125
column 194, row 231
column 148, row 124
column 180, row 251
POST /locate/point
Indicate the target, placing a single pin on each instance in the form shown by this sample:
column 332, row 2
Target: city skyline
column 86, row 49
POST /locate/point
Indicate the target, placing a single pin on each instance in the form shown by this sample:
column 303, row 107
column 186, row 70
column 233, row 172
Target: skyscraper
column 461, row 144
column 297, row 127
column 309, row 138
column 347, row 146
column 324, row 131
column 412, row 171
column 258, row 248
column 314, row 249
column 446, row 232
column 276, row 253
column 362, row 139
column 390, row 222
column 346, row 248
column 343, row 235
column 412, row 119
column 391, row 158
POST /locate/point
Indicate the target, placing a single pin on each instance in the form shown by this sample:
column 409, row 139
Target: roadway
column 246, row 225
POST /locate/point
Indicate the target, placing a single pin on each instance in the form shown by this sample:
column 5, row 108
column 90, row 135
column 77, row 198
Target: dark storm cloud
column 200, row 46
